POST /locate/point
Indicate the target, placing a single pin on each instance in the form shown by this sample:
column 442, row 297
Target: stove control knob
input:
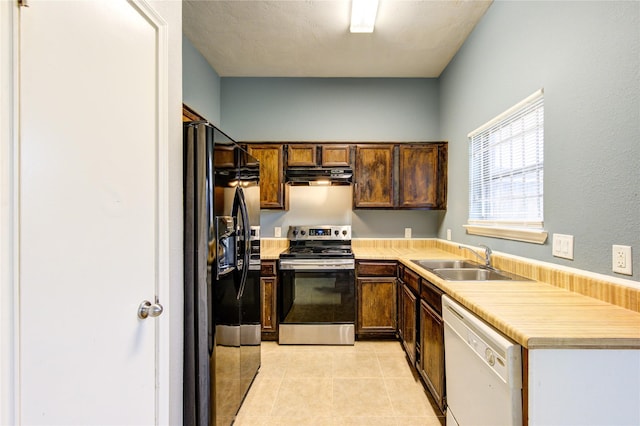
column 295, row 232
column 344, row 232
column 336, row 232
column 303, row 232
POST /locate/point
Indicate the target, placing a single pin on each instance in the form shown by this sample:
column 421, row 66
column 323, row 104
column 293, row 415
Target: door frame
column 9, row 330
column 10, row 212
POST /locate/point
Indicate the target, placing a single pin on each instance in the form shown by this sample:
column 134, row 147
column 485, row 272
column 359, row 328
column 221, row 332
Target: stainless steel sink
column 445, row 264
column 464, row 270
column 469, row 274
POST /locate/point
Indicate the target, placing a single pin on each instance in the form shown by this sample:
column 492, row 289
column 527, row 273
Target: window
column 506, row 174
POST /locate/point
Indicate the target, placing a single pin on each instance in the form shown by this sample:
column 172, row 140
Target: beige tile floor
column 370, row 383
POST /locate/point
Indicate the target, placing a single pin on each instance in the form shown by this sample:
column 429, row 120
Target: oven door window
column 312, row 297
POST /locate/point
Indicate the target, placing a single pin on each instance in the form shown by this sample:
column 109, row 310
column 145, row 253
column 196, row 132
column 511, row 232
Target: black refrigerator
column 222, row 275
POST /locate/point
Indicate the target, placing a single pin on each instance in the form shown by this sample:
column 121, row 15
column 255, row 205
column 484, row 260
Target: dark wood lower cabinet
column 268, row 294
column 376, row 292
column 268, row 285
column 376, row 306
column 399, row 299
column 431, row 365
column 408, row 333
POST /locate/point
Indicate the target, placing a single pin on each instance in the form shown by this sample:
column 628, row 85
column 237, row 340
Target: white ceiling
column 303, row 38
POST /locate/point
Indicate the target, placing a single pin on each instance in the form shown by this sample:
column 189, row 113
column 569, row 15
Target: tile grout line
column 386, row 389
column 277, row 394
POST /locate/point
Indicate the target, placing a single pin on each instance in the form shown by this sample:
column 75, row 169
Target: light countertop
column 271, row 253
column 535, row 314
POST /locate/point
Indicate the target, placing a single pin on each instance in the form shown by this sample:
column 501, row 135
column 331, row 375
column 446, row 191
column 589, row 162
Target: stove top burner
column 319, row 249
column 317, row 252
column 336, row 251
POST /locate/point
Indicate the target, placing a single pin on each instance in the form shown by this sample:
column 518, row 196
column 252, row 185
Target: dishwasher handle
column 456, row 313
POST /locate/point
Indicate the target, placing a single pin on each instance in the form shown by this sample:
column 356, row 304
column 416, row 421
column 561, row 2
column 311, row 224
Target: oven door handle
column 315, row 266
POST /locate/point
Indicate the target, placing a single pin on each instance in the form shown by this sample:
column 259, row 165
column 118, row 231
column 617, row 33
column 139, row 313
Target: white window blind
column 506, row 167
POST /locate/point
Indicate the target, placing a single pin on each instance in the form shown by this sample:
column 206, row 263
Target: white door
column 91, row 194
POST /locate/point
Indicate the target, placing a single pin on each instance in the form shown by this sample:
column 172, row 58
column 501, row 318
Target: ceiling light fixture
column 363, row 15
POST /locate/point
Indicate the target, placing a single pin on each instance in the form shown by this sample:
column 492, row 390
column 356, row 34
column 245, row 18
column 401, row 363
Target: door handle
column 146, row 309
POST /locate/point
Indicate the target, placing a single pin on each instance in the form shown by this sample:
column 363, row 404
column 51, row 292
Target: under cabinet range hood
column 319, row 176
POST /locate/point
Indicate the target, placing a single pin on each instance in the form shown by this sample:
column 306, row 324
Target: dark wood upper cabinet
column 374, row 176
column 325, row 155
column 300, row 155
column 272, row 187
column 335, row 155
column 401, row 176
column 385, row 175
column 422, row 176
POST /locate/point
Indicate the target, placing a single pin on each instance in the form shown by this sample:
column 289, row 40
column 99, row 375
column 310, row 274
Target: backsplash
column 332, row 205
column 273, row 243
column 617, row 291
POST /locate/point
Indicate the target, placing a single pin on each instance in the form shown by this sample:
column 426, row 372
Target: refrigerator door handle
column 246, row 234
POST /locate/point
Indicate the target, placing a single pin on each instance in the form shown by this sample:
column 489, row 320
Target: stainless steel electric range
column 317, row 287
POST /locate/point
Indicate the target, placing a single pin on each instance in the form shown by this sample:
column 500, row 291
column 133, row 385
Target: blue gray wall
column 586, row 56
column 335, row 109
column 332, row 109
column 200, row 83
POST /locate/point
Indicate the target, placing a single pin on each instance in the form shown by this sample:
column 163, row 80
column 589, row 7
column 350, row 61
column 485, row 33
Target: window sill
column 536, row 236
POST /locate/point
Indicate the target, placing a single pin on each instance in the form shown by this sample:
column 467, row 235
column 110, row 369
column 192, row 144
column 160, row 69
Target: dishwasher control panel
column 488, row 354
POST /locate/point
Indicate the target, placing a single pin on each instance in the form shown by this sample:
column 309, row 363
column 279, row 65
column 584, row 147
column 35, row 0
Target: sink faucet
column 487, row 254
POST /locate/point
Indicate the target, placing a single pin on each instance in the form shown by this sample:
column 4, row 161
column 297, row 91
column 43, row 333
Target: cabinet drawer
column 411, row 279
column 268, row 269
column 376, row 269
column 432, row 295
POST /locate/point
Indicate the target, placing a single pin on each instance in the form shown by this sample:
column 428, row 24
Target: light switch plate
column 563, row 246
column 277, row 232
column 407, row 232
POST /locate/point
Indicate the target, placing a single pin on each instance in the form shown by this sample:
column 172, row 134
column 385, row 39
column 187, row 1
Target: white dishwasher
column 483, row 371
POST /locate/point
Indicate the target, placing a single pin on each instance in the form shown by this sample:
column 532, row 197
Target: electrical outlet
column 407, row 232
column 277, row 232
column 563, row 246
column 448, row 234
column 621, row 260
